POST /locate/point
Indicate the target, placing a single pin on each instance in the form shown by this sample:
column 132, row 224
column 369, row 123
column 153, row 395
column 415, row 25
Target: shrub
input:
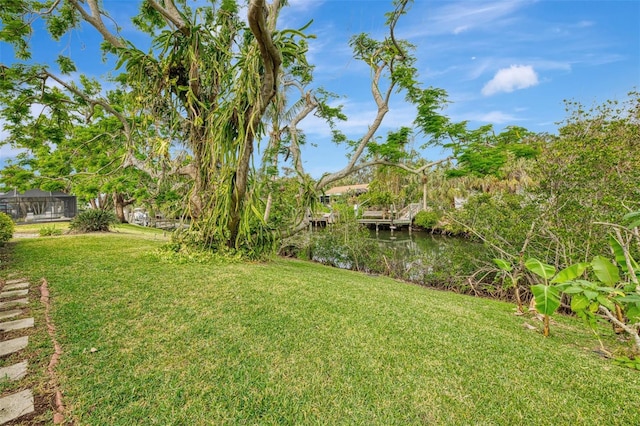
column 348, row 245
column 426, row 220
column 6, row 228
column 48, row 231
column 93, row 220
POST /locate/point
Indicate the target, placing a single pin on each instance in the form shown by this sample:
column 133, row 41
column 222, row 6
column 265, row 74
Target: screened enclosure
column 38, row 206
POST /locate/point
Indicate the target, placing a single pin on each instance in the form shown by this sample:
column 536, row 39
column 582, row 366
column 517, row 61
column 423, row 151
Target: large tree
column 207, row 74
column 206, row 83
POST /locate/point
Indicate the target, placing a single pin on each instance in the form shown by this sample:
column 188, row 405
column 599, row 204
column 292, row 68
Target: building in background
column 36, row 205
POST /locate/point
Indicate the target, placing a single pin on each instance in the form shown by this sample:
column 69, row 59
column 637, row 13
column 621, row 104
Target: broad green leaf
column 593, row 307
column 579, row 302
column 573, row 290
column 590, row 294
column 547, row 298
column 606, row 271
column 632, row 219
column 570, row 273
column 620, row 257
column 606, row 302
column 503, row 264
column 610, row 291
column 633, row 313
column 563, row 286
column 586, row 284
column 541, row 269
column 633, row 298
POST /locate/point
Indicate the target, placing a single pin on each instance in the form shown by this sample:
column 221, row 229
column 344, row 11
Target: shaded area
column 36, row 205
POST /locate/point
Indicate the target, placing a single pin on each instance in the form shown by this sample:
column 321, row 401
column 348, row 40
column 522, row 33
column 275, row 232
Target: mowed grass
column 126, row 228
column 291, row 342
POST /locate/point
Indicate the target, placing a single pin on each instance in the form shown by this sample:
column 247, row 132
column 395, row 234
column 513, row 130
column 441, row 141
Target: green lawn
column 291, row 342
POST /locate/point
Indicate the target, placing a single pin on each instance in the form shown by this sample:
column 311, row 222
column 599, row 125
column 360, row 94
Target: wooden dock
column 391, row 220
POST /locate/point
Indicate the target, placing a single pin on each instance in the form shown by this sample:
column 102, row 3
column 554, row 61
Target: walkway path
column 13, row 300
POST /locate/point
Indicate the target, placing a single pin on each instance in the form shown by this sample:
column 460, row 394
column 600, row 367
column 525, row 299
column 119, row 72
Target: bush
column 6, row 228
column 426, row 220
column 93, row 220
column 48, row 231
column 347, row 245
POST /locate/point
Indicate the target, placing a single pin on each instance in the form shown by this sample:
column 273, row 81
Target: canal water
column 420, row 257
column 424, row 242
column 430, row 258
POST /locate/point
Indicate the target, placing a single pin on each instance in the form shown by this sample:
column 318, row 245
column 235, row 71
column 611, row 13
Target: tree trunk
column 546, row 326
column 424, row 192
column 239, row 191
column 119, row 203
column 271, row 61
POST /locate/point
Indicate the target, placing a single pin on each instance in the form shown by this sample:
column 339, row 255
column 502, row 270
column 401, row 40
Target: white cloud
column 515, row 77
column 455, row 17
column 460, row 29
column 497, row 117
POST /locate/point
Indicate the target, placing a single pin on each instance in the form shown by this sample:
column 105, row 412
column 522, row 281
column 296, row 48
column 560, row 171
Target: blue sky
column 502, row 62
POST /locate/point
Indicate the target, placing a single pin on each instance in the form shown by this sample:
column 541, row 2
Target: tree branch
column 171, row 14
column 310, row 105
column 95, row 19
column 383, row 108
column 104, row 104
column 392, row 26
column 269, row 53
column 629, row 330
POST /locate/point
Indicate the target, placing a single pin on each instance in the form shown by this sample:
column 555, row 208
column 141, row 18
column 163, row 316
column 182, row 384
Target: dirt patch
column 25, row 235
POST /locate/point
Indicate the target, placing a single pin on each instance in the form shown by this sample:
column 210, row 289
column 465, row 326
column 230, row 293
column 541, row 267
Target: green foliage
column 7, row 228
column 204, row 87
column 588, row 174
column 93, row 220
column 503, row 219
column 480, row 152
column 426, row 219
column 393, row 185
column 348, row 245
column 503, row 265
column 547, row 298
column 611, row 290
column 49, row 231
column 540, row 269
column 66, row 64
column 582, row 179
column 394, row 148
column 625, row 361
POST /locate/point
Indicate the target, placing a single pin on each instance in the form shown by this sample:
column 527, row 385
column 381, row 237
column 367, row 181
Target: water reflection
column 418, row 256
column 424, row 242
column 429, row 259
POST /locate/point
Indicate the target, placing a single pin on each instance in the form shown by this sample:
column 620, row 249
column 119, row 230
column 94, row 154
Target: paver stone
column 16, row 405
column 16, row 324
column 13, row 293
column 16, row 280
column 14, row 372
column 12, row 303
column 17, row 286
column 10, row 314
column 14, row 345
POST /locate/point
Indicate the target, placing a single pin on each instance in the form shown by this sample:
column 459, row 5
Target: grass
column 292, row 342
